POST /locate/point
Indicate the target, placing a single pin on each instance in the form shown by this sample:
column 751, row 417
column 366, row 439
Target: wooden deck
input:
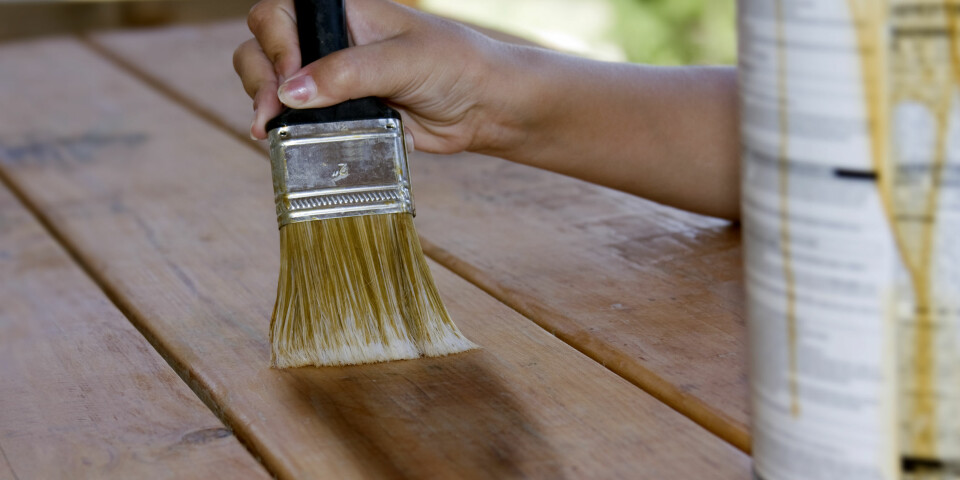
column 137, row 225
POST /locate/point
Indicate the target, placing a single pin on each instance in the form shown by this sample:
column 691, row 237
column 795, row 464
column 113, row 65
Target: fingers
column 263, row 62
column 267, row 106
column 274, row 55
column 252, row 65
column 260, row 82
column 379, row 69
column 273, row 23
column 395, row 58
column 375, row 27
column 408, row 141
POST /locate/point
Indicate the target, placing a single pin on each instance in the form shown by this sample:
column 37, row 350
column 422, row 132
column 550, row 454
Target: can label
column 851, row 205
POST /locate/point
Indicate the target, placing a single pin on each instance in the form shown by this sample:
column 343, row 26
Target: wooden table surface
column 138, row 260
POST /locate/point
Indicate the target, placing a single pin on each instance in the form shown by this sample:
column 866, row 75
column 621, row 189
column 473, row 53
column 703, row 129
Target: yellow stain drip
column 785, row 248
column 912, row 221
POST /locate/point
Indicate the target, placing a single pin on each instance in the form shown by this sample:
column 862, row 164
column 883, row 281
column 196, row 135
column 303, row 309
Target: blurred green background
column 665, row 32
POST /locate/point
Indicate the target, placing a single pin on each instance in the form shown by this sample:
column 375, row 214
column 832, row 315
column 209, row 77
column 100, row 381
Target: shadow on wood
column 462, row 411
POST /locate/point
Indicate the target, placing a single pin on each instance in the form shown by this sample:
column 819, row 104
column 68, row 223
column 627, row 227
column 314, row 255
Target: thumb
column 377, row 69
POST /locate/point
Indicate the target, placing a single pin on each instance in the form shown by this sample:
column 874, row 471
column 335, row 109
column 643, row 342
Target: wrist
column 518, row 100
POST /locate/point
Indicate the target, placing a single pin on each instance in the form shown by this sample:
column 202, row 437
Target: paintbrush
column 354, row 285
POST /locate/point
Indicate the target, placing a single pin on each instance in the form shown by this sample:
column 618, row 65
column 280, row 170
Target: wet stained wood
column 176, row 219
column 83, row 394
column 653, row 293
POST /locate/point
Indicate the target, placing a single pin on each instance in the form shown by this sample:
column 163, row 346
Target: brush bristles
column 357, row 290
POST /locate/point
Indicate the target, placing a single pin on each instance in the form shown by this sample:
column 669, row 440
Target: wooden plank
column 176, row 219
column 84, row 395
column 653, row 293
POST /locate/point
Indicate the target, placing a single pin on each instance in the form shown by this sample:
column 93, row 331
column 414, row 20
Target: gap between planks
column 649, row 382
column 115, row 299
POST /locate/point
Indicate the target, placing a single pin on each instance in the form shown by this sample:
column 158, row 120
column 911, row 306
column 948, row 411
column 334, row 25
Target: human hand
column 667, row 134
column 446, row 80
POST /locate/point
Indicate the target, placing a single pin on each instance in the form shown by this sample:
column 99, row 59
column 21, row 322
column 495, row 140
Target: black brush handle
column 322, row 29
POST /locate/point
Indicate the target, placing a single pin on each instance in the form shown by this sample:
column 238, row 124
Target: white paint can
column 850, row 114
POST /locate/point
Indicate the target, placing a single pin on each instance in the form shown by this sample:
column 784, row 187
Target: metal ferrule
column 339, row 169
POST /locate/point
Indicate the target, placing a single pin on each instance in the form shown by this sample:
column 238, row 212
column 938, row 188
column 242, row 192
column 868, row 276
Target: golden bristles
column 357, row 290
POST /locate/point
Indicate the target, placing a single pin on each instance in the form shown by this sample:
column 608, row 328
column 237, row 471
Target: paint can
column 850, row 114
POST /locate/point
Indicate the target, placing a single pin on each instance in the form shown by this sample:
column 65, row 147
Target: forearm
column 669, row 134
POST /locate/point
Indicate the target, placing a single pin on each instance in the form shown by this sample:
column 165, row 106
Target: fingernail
column 297, row 90
column 256, row 116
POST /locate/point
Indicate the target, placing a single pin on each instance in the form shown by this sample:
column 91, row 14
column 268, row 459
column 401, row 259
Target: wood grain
column 83, row 394
column 176, row 220
column 653, row 293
